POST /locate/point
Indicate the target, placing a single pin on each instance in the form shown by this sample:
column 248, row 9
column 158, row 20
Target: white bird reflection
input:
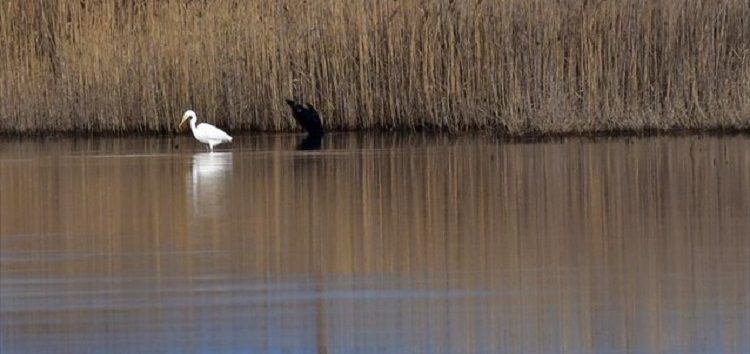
column 209, row 174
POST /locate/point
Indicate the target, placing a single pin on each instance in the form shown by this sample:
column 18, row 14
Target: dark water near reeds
column 391, row 243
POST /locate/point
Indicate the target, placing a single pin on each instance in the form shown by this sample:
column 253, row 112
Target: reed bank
column 515, row 66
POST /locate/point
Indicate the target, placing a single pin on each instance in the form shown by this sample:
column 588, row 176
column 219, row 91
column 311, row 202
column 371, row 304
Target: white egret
column 204, row 132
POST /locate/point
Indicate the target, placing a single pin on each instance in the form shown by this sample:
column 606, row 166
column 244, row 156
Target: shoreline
column 525, row 137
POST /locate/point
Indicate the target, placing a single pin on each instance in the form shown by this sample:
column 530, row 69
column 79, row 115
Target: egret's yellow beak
column 184, row 119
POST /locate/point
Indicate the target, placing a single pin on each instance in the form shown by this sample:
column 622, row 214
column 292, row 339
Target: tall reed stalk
column 515, row 65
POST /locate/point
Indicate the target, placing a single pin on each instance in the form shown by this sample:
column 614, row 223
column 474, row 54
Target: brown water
column 395, row 243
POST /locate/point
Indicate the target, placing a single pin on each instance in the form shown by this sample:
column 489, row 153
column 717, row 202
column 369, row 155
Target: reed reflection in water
column 385, row 243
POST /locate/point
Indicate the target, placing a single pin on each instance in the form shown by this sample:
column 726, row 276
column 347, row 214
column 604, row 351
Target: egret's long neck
column 192, row 124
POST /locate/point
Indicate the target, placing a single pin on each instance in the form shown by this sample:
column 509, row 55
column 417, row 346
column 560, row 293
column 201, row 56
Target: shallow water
column 385, row 243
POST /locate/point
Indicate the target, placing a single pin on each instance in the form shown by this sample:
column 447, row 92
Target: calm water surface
column 389, row 243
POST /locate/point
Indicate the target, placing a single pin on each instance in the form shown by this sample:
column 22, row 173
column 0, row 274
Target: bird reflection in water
column 209, row 174
column 310, row 142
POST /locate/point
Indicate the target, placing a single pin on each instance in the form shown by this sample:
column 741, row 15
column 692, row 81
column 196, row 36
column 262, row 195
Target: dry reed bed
column 516, row 65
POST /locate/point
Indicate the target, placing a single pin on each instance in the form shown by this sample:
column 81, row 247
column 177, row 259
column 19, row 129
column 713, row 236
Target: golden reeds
column 515, row 65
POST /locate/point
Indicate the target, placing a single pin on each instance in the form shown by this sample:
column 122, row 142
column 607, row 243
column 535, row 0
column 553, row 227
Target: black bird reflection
column 307, row 117
column 310, row 142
